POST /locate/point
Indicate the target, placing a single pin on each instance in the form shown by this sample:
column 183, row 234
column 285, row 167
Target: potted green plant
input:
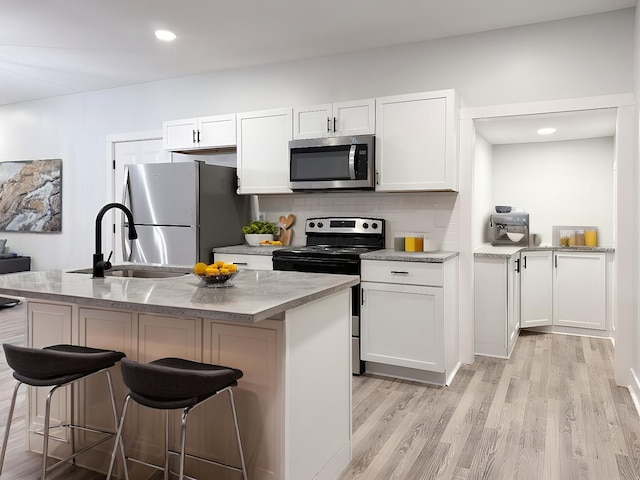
column 259, row 230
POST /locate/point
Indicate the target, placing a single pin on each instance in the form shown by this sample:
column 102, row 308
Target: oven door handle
column 313, row 261
column 352, row 161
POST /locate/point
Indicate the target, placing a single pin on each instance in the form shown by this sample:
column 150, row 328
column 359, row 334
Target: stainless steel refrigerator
column 181, row 211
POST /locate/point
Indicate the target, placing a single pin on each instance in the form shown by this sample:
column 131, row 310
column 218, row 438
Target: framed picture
column 31, row 196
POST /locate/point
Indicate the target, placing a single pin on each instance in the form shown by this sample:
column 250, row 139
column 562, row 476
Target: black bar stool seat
column 175, row 383
column 56, row 366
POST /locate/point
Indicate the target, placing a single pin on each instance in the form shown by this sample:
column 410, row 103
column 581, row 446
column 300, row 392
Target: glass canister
column 591, row 238
column 414, row 242
column 580, row 239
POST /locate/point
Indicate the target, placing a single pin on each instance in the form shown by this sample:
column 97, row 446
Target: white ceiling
column 568, row 125
column 50, row 48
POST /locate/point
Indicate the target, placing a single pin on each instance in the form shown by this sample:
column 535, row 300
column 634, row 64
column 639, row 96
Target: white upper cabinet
column 199, row 133
column 263, row 151
column 417, row 142
column 334, row 119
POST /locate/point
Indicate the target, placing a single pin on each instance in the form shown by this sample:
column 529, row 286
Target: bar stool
column 57, row 366
column 174, row 383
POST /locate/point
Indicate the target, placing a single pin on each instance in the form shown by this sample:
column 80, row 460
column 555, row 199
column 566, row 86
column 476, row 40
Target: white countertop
column 389, row 254
column 256, row 294
column 505, row 251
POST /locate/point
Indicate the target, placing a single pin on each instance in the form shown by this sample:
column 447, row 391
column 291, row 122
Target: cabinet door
column 217, row 131
column 263, row 151
column 535, row 289
column 513, row 300
column 402, row 325
column 416, row 142
column 179, row 134
column 579, row 289
column 49, row 324
column 313, row 121
column 158, row 337
column 354, row 118
column 111, row 330
column 255, row 351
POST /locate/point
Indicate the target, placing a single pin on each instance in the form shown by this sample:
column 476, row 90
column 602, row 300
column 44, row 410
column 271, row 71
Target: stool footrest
column 81, row 451
column 206, row 460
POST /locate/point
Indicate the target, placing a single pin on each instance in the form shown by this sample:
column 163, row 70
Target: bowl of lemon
column 218, row 274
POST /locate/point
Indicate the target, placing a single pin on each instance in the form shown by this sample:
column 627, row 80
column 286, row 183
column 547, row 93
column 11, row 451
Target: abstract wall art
column 31, row 196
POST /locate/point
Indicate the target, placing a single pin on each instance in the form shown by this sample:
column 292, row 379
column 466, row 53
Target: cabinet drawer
column 407, row 273
column 251, row 262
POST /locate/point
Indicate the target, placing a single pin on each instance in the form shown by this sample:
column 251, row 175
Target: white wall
column 433, row 213
column 558, row 183
column 482, row 190
column 578, row 57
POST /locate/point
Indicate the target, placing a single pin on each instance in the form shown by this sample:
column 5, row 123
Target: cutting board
column 285, row 233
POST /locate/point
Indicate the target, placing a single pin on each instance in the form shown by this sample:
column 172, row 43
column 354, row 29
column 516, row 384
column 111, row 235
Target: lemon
column 211, row 271
column 199, row 268
column 224, row 271
column 232, row 267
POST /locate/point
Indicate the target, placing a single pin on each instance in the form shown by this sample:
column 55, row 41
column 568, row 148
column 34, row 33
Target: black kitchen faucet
column 99, row 264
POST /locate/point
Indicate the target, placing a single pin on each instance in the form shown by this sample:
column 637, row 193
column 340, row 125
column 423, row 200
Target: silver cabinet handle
column 396, row 272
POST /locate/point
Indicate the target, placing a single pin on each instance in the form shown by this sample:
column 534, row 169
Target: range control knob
column 365, row 225
column 374, row 226
column 320, row 225
column 311, row 224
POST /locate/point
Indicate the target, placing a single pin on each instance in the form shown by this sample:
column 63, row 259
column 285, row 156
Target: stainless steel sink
column 137, row 272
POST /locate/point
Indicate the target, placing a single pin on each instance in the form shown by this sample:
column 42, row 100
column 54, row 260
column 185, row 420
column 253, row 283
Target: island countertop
column 256, row 295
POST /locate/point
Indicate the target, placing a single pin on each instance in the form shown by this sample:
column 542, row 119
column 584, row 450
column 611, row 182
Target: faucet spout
column 99, row 265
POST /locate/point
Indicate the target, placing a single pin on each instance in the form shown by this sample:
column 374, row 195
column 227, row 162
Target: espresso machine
column 509, row 229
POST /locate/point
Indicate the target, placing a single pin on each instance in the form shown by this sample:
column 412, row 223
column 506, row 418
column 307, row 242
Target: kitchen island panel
column 294, row 400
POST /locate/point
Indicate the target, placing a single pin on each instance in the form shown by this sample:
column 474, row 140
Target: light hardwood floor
column 551, row 412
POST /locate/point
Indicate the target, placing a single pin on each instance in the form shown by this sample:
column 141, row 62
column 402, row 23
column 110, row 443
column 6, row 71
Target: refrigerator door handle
column 127, row 248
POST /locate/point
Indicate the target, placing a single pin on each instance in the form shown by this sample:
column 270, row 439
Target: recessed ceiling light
column 165, row 35
column 546, row 131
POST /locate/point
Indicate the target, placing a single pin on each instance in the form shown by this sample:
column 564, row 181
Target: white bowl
column 254, row 239
column 515, row 237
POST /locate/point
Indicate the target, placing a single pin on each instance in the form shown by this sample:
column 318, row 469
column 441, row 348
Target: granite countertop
column 256, row 295
column 422, row 257
column 505, row 251
column 249, row 250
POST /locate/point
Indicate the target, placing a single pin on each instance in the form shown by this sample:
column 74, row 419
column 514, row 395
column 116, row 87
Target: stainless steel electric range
column 334, row 245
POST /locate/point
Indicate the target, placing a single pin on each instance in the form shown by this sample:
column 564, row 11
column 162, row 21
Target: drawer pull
column 241, row 263
column 396, row 272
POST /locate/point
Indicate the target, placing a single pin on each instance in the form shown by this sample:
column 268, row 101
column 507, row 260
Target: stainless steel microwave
column 332, row 163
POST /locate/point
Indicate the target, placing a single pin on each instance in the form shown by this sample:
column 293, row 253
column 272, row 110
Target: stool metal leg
column 45, row 440
column 235, row 421
column 8, row 427
column 119, row 440
column 166, row 445
column 183, row 441
column 115, row 421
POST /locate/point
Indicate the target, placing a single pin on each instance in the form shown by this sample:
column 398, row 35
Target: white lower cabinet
column 409, row 319
column 580, row 289
column 496, row 304
column 536, row 305
column 565, row 289
column 248, row 261
column 403, row 325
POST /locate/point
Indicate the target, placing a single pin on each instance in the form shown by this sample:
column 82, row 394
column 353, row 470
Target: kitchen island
column 289, row 332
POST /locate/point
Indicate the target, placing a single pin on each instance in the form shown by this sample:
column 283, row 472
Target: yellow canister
column 409, row 244
column 591, row 238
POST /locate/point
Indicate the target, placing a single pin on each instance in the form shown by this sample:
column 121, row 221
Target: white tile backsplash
column 435, row 214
